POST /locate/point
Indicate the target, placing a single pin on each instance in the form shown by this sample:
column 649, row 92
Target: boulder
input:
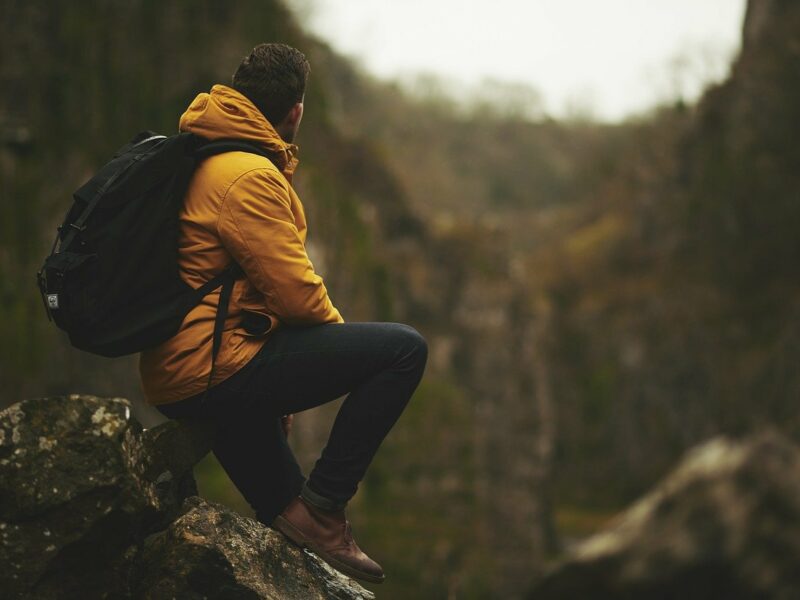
column 92, row 506
column 724, row 524
column 212, row 552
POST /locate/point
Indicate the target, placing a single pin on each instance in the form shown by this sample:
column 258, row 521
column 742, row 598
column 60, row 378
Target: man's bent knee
column 412, row 342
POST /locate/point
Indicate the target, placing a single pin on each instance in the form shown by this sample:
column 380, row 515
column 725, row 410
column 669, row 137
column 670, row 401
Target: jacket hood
column 225, row 113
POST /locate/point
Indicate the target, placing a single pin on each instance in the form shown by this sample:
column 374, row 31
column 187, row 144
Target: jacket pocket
column 257, row 324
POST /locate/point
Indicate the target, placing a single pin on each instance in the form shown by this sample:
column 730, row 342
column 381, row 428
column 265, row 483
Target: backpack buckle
column 42, row 281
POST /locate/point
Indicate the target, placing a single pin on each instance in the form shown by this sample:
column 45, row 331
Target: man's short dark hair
column 273, row 77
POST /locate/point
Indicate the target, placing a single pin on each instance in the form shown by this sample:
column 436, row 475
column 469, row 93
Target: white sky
column 610, row 58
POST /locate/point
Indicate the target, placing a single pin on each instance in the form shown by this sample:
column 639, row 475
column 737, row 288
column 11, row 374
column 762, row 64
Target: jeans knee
column 413, row 343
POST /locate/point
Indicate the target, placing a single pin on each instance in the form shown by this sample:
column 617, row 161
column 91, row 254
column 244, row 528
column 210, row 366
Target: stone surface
column 724, row 524
column 71, row 495
column 212, row 552
column 91, row 506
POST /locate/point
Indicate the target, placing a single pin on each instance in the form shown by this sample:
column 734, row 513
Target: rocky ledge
column 92, row 506
column 724, row 524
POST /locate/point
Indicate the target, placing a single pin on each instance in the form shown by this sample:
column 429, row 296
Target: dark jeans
column 378, row 364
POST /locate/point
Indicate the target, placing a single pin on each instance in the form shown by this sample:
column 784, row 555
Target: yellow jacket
column 238, row 207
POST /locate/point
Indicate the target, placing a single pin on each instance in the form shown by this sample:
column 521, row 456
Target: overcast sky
column 608, row 57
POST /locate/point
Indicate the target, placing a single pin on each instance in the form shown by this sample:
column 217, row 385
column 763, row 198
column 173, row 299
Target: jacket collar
column 226, row 113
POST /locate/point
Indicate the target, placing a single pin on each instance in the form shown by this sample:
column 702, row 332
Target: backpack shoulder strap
column 225, row 280
column 229, row 145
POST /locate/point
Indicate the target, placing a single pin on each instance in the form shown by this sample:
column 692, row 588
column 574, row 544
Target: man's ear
column 295, row 114
column 287, row 128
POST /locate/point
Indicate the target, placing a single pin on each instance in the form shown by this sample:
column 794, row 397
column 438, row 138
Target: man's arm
column 257, row 227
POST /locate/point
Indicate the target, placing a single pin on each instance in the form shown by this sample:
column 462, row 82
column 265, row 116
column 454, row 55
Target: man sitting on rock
column 285, row 347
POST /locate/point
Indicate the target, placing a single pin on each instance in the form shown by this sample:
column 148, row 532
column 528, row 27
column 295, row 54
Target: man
column 285, row 347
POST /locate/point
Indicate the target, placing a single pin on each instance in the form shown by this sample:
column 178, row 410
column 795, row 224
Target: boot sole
column 296, row 536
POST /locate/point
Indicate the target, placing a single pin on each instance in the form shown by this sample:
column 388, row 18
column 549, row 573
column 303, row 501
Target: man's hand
column 286, row 424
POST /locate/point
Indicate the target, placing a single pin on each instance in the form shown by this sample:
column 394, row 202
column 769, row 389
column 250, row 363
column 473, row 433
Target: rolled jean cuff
column 319, row 500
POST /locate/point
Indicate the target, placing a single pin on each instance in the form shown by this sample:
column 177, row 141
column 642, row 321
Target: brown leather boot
column 328, row 534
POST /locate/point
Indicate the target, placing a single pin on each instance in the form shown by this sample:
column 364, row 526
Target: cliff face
column 740, row 161
column 677, row 304
column 93, row 507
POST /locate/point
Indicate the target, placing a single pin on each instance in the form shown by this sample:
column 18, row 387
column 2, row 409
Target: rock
column 724, row 524
column 72, row 496
column 175, row 447
column 92, row 506
column 759, row 16
column 212, row 552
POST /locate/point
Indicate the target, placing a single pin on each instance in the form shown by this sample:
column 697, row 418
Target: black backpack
column 111, row 280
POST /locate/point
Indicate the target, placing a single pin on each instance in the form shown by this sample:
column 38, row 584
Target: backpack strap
column 229, row 145
column 79, row 224
column 226, row 280
column 232, row 272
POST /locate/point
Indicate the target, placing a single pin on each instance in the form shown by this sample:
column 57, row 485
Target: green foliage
column 213, row 484
column 420, row 494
